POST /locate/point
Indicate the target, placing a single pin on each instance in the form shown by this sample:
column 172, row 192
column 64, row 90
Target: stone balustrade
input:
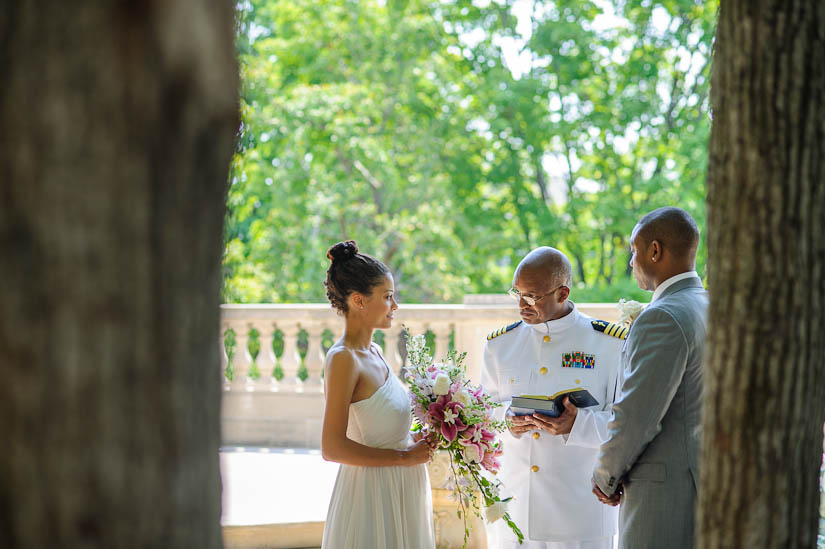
column 275, row 394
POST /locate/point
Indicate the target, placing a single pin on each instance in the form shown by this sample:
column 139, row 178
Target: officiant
column 548, row 462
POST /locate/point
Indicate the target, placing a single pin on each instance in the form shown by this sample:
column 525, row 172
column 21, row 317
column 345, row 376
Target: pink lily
column 470, row 439
column 490, row 462
column 446, row 412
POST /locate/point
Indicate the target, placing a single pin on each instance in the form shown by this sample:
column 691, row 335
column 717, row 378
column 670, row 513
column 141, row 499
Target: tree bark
column 118, row 125
column 765, row 383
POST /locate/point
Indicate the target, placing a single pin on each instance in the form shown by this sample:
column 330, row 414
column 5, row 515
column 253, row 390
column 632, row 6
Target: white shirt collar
column 670, row 282
column 558, row 325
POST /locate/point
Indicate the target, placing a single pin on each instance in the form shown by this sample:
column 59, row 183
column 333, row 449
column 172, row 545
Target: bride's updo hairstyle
column 350, row 271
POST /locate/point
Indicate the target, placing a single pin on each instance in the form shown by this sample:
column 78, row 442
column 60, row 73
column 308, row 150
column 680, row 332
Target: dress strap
column 381, row 356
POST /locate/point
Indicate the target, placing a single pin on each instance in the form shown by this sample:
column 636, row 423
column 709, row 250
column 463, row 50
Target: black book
column 552, row 405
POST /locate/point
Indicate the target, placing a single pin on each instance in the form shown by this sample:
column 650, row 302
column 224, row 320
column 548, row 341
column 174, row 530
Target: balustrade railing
column 272, row 358
column 290, row 340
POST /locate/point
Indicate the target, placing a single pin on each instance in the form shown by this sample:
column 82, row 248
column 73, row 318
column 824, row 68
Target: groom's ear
column 564, row 293
column 655, row 251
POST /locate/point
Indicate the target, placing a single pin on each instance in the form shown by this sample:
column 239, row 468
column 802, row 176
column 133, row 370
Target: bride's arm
column 340, row 377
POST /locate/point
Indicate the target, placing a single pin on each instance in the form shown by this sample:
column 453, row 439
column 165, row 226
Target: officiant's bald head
column 550, row 263
column 543, row 277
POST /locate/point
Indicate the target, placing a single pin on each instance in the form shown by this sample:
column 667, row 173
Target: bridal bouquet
column 461, row 416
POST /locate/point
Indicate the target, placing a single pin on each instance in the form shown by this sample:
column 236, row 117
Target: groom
column 651, row 457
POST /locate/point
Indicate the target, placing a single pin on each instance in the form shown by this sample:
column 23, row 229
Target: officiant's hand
column 519, row 425
column 557, row 425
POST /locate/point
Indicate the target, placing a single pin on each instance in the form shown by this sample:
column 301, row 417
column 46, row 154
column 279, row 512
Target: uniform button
column 546, row 339
column 543, row 370
column 535, row 468
column 578, row 381
column 536, row 435
column 512, row 380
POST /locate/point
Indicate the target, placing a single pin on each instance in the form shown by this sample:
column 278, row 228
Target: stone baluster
column 266, row 357
column 290, row 361
column 470, row 337
column 442, row 332
column 314, row 360
column 391, row 338
column 224, row 358
column 242, row 359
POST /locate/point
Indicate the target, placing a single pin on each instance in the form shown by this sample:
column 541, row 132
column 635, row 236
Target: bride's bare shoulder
column 341, row 357
column 342, row 368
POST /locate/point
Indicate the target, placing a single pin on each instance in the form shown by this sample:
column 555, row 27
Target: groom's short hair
column 675, row 230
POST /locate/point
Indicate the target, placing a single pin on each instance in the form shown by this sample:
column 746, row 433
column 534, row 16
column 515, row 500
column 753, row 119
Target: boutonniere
column 628, row 311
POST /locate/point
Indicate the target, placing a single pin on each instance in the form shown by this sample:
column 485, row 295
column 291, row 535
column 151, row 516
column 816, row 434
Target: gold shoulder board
column 610, row 328
column 503, row 330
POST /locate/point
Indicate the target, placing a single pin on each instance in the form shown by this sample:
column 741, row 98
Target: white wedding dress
column 381, row 507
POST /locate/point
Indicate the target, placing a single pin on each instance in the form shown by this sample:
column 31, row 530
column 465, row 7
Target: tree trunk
column 765, row 383
column 118, row 124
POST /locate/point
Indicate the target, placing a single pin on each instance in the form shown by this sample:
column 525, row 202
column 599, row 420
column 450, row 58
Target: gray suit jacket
column 653, row 436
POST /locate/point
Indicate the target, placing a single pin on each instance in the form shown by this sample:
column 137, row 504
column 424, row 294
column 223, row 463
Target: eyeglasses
column 529, row 299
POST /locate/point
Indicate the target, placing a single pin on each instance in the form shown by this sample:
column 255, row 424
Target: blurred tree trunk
column 762, row 441
column 118, row 124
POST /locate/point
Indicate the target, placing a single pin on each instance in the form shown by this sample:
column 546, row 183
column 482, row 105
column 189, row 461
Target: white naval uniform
column 549, row 476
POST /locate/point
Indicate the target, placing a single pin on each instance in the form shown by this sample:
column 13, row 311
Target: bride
column 382, row 497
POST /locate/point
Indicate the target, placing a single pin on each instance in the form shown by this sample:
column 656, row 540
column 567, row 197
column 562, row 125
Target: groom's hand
column 557, row 425
column 613, row 499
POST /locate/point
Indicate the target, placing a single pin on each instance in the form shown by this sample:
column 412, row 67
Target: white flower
column 495, row 511
column 449, row 416
column 470, row 454
column 425, row 384
column 628, row 311
column 463, row 397
column 441, row 385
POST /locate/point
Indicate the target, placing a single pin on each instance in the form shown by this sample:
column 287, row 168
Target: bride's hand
column 418, row 453
column 429, row 436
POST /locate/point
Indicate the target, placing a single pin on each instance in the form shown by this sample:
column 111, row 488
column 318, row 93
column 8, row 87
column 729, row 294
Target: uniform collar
column 558, row 325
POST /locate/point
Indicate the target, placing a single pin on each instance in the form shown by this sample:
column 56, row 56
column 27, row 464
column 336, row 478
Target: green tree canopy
column 409, row 127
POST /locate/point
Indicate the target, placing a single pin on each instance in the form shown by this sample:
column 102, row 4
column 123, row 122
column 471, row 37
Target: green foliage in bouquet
column 459, row 415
